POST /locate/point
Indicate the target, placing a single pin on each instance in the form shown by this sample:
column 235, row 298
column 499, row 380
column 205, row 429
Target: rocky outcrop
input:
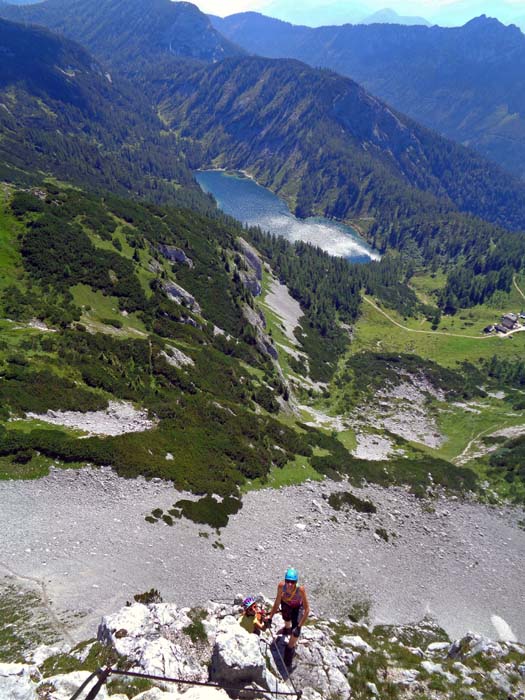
column 177, row 358
column 251, row 275
column 118, row 418
column 250, row 281
column 237, row 657
column 334, row 659
column 252, row 257
column 177, row 293
column 263, row 341
column 174, row 254
column 153, row 636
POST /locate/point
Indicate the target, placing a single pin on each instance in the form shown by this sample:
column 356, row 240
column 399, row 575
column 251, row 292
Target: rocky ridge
column 335, row 659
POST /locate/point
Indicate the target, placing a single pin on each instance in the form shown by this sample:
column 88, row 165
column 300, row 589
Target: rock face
column 252, row 257
column 177, row 358
column 177, row 293
column 251, row 275
column 251, row 282
column 263, row 341
column 175, row 254
column 334, row 659
column 153, row 636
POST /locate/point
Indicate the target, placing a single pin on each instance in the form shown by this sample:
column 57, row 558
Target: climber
column 252, row 618
column 294, row 608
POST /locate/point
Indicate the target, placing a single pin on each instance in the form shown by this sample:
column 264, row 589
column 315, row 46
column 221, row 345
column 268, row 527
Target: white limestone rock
column 177, row 358
column 17, row 681
column 190, row 694
column 431, row 667
column 237, row 657
column 356, row 642
column 472, row 644
column 45, row 651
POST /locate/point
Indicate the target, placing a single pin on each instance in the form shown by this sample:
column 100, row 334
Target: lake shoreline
column 239, row 195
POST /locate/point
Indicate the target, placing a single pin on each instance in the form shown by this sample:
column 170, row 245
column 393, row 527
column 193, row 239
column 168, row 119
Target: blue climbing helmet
column 291, row 575
column 248, row 602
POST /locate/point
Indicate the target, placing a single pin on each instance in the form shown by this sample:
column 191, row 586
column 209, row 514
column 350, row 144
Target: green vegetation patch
column 346, row 499
column 196, row 630
column 509, row 462
column 23, row 390
column 24, row 623
column 208, row 510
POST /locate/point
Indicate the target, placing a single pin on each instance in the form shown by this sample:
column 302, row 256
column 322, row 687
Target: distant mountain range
column 467, row 82
column 61, row 113
column 272, row 116
column 313, row 13
column 129, row 32
column 389, row 16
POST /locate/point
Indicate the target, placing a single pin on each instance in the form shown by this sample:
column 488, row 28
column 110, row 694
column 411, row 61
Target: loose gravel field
column 82, row 534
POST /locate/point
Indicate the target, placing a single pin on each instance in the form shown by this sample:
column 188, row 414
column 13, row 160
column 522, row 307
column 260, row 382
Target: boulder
column 437, row 646
column 237, row 657
column 356, row 642
column 472, row 644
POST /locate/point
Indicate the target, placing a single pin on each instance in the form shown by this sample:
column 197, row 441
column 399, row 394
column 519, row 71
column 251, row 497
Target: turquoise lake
column 248, row 202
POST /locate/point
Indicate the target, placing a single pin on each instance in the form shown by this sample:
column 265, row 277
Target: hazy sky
column 311, row 11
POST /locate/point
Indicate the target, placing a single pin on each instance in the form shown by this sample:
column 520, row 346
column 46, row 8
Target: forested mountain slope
column 128, row 32
column 324, row 143
column 61, row 113
column 148, row 305
column 466, row 82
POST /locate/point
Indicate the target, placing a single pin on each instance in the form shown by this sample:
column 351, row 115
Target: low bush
column 346, row 499
column 24, row 390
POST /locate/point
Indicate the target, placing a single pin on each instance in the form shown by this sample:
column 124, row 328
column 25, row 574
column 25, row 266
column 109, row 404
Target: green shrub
column 26, row 390
column 115, row 322
column 209, row 511
column 148, row 597
column 195, row 630
column 343, row 499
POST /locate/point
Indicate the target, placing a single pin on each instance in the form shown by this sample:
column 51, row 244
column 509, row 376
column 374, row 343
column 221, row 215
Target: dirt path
column 461, row 458
column 452, row 335
column 517, row 288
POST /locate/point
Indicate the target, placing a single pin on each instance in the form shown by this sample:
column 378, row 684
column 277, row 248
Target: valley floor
column 81, row 535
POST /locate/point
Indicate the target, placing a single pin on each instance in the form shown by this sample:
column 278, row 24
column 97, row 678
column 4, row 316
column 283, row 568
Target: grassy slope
column 377, row 333
column 463, row 424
